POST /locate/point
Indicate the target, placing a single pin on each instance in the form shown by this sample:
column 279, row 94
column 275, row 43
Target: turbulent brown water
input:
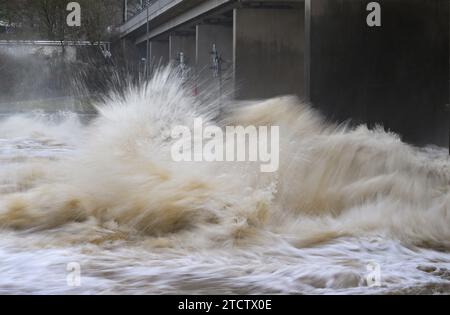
column 107, row 196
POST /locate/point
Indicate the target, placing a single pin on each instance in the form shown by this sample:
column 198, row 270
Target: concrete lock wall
column 396, row 74
column 269, row 46
column 184, row 44
column 222, row 37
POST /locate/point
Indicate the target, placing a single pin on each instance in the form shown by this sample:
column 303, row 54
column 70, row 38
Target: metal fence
column 142, row 6
column 51, row 43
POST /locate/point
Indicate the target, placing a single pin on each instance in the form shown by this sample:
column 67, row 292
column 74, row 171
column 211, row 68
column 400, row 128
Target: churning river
column 100, row 207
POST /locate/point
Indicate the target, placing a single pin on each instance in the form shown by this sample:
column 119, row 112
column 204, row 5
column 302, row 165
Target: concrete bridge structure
column 395, row 74
column 247, row 35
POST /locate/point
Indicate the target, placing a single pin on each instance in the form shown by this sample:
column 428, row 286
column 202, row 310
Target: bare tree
column 100, row 18
column 46, row 19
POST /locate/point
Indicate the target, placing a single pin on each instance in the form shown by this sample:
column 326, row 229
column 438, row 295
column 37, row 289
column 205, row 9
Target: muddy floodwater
column 97, row 206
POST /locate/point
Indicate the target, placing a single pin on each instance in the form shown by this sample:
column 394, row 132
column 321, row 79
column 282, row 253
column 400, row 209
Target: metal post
column 217, row 67
column 125, row 10
column 148, row 46
column 307, row 57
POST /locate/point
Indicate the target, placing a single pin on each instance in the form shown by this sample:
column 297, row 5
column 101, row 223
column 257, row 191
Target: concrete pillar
column 222, row 37
column 184, row 44
column 142, row 50
column 159, row 52
column 268, row 52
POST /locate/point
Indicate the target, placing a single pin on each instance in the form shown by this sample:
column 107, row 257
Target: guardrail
column 52, row 43
column 145, row 5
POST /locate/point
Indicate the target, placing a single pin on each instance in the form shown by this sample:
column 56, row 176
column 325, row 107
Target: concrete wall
column 268, row 52
column 159, row 51
column 396, row 74
column 185, row 44
column 222, row 37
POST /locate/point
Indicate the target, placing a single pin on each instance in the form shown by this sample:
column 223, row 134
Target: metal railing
column 52, row 43
column 141, row 8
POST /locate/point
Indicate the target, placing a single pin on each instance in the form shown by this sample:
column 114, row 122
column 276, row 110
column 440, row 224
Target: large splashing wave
column 333, row 181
